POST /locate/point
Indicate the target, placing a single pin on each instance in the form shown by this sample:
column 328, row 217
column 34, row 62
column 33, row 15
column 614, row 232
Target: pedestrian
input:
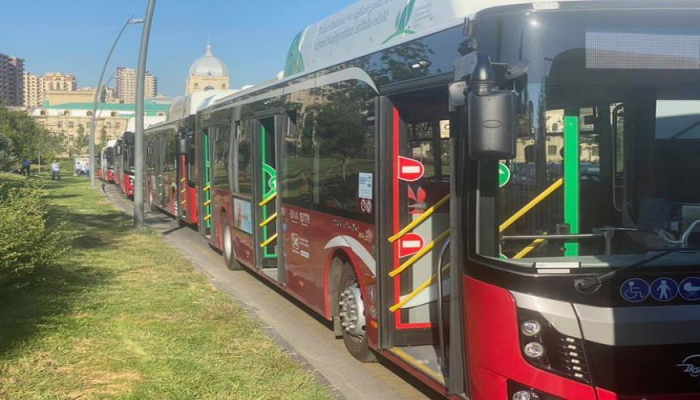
column 55, row 171
column 83, row 169
column 26, row 167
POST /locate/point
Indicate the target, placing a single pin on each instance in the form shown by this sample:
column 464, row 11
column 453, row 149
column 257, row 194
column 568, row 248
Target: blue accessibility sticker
column 635, row 290
column 664, row 289
column 690, row 289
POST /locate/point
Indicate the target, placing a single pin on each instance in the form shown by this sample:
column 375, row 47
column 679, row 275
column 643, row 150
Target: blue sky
column 74, row 36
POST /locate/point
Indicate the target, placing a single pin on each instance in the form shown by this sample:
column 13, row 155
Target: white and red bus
column 124, row 163
column 170, row 173
column 504, row 207
column 107, row 157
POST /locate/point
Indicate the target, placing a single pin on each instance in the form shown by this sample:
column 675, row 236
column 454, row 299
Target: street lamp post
column 98, row 90
column 140, row 94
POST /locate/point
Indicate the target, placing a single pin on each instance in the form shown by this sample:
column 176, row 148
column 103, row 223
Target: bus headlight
column 525, row 395
column 531, row 328
column 534, row 350
column 546, row 348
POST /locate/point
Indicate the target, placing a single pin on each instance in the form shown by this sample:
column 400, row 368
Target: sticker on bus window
column 365, row 185
column 243, row 216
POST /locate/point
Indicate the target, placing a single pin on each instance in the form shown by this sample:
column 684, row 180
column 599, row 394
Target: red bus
column 170, row 174
column 124, row 163
column 107, row 157
column 505, row 208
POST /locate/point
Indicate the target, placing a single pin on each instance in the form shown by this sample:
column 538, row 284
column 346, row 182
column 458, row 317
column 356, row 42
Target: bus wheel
column 229, row 256
column 351, row 311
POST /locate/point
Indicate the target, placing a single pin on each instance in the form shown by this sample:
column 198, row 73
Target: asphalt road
column 307, row 337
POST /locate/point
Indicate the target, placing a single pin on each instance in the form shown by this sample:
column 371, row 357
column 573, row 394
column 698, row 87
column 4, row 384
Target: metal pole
column 98, row 89
column 140, row 92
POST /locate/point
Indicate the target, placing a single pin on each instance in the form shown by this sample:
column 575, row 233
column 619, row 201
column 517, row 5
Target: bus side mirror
column 181, row 146
column 492, row 126
column 492, row 115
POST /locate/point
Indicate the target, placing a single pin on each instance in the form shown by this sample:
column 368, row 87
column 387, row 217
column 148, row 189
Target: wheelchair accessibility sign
column 635, row 290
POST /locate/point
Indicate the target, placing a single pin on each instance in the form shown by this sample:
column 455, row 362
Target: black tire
column 356, row 345
column 227, row 247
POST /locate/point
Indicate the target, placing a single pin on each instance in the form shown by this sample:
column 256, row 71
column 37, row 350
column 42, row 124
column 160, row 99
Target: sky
column 74, row 36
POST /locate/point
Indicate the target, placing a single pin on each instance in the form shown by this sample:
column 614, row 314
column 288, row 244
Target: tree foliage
column 29, row 238
column 25, row 138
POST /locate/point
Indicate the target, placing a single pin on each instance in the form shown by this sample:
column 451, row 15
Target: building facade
column 126, row 85
column 56, row 81
column 33, row 90
column 11, row 81
column 73, row 120
column 207, row 73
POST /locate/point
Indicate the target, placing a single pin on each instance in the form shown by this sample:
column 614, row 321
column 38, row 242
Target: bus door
column 266, row 158
column 205, row 195
column 182, row 173
column 416, row 226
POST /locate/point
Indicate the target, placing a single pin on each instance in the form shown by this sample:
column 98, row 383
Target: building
column 11, row 81
column 73, row 120
column 126, row 85
column 33, row 90
column 56, row 81
column 207, row 73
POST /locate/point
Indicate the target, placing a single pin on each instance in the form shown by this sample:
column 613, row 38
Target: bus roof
column 188, row 105
column 368, row 26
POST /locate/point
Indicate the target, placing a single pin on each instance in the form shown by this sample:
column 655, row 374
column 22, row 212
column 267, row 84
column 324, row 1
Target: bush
column 28, row 237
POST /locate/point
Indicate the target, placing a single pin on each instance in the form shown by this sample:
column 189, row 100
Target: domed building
column 207, row 73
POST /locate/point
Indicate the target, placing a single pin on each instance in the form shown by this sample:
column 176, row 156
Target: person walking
column 55, row 171
column 26, row 167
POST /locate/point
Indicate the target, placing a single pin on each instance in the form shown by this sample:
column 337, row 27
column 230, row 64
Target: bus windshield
column 607, row 155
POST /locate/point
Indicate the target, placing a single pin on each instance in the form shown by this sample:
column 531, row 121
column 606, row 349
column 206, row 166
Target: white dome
column 209, row 65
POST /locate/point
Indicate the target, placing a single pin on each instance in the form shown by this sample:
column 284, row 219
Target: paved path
column 307, row 337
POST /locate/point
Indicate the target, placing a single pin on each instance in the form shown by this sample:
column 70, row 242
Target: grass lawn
column 124, row 315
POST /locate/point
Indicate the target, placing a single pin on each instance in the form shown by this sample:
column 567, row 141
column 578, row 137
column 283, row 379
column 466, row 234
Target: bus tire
column 353, row 319
column 227, row 246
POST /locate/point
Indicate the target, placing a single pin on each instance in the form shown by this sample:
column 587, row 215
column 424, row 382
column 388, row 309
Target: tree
column 82, row 140
column 103, row 136
column 25, row 138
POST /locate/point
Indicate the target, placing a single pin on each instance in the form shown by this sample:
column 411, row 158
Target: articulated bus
column 500, row 197
column 170, row 178
column 107, row 156
column 124, row 163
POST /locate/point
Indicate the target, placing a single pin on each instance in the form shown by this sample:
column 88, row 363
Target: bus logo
column 691, row 365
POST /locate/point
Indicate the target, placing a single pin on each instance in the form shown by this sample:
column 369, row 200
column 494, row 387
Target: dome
column 209, row 65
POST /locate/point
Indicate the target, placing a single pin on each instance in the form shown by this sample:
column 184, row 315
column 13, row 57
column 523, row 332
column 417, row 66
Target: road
column 301, row 332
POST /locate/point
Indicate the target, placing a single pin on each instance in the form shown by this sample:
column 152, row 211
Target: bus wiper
column 592, row 284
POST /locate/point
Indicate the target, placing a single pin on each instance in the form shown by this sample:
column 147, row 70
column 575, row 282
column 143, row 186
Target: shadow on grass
column 42, row 301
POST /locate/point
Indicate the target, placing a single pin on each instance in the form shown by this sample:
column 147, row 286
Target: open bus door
column 267, row 133
column 421, row 301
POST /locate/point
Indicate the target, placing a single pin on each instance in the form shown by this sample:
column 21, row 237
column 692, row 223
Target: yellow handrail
column 267, row 221
column 183, row 180
column 416, row 292
column 268, row 241
column 427, row 214
column 207, row 188
column 184, row 202
column 183, row 191
column 420, row 254
column 268, row 200
column 207, row 218
column 206, row 203
column 537, row 200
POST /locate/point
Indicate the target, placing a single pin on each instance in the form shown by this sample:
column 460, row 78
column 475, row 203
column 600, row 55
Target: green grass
column 125, row 316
